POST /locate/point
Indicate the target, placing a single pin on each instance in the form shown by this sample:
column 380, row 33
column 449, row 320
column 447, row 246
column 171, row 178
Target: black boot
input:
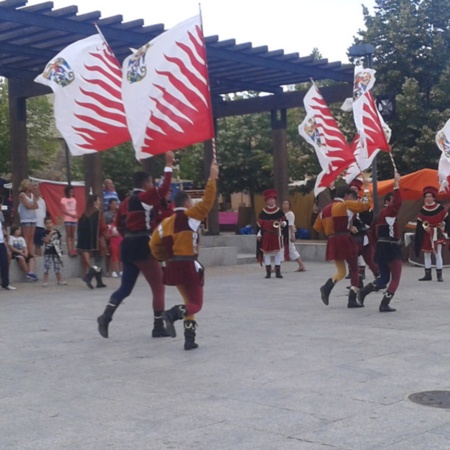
column 427, row 276
column 439, row 275
column 268, row 271
column 88, row 277
column 189, row 334
column 159, row 330
column 366, row 290
column 104, row 319
column 171, row 315
column 278, row 272
column 326, row 289
column 352, row 302
column 384, row 305
column 98, row 277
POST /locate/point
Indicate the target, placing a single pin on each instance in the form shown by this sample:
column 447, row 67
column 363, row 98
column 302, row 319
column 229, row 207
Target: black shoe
column 103, row 323
column 325, row 290
column 364, row 292
column 278, row 272
column 159, row 330
column 384, row 305
column 427, row 276
column 189, row 334
column 352, row 302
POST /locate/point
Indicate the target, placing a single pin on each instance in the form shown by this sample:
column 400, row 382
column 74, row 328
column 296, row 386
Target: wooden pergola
column 32, row 35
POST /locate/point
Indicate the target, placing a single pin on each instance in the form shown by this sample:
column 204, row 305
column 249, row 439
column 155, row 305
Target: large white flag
column 369, row 124
column 165, row 91
column 320, row 129
column 86, row 80
column 443, row 140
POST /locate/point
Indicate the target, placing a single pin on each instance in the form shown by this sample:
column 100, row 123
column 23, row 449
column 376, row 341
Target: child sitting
column 52, row 252
column 19, row 252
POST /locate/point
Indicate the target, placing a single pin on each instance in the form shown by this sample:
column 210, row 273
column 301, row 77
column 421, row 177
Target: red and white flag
column 320, row 129
column 165, row 91
column 86, row 80
column 370, row 126
column 443, row 140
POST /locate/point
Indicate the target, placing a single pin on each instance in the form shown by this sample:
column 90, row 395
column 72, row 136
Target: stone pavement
column 276, row 369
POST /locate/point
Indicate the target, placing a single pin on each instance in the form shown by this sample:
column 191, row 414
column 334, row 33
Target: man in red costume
column 431, row 232
column 272, row 234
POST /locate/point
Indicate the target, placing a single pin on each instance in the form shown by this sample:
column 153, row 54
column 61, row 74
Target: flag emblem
column 362, row 83
column 59, row 71
column 136, row 65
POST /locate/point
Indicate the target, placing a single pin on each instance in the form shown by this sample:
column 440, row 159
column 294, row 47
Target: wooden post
column 280, row 157
column 213, row 218
column 93, row 175
column 18, row 133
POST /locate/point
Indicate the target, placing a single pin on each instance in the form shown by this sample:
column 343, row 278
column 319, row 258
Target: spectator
column 70, row 217
column 109, row 192
column 294, row 255
column 41, row 213
column 19, row 252
column 5, row 258
column 52, row 252
column 27, row 213
column 91, row 232
column 110, row 218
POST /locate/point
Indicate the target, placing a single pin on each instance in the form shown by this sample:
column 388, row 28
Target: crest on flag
column 86, row 79
column 165, row 90
column 320, row 130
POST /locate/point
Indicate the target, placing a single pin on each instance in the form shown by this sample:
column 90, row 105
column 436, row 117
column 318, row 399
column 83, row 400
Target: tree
column 412, row 60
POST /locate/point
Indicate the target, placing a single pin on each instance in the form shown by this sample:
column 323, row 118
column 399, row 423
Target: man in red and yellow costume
column 431, row 232
column 176, row 241
column 272, row 234
column 335, row 221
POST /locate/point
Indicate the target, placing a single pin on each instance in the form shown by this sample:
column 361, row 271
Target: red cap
column 270, row 193
column 357, row 183
column 430, row 190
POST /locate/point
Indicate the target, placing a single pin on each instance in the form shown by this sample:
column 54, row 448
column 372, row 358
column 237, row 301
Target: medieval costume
column 272, row 234
column 388, row 254
column 335, row 221
column 431, row 232
column 133, row 223
column 176, row 242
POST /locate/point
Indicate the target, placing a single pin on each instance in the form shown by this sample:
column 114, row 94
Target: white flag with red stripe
column 368, row 121
column 320, row 129
column 86, row 80
column 165, row 91
column 443, row 140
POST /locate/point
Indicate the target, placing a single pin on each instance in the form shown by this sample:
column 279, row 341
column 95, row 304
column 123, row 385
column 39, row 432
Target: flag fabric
column 320, row 129
column 86, row 80
column 362, row 163
column 369, row 124
column 444, row 174
column 165, row 91
column 443, row 140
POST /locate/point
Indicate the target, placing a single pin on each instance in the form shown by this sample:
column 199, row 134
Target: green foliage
column 412, row 60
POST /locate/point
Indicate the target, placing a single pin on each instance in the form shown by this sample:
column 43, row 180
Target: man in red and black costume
column 133, row 222
column 360, row 227
column 272, row 234
column 388, row 253
column 431, row 232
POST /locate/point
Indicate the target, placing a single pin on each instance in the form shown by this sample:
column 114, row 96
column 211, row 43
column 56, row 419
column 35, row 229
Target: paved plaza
column 276, row 368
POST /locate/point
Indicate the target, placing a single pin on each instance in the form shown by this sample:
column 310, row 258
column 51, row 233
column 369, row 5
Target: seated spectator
column 19, row 252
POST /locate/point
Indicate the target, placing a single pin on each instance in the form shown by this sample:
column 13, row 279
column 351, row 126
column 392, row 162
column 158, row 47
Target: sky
column 295, row 26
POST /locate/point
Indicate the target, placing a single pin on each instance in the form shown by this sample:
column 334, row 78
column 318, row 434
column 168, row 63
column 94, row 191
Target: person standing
column 109, row 192
column 176, row 241
column 70, row 218
column 52, row 252
column 335, row 222
column 4, row 262
column 133, row 222
column 27, row 213
column 388, row 254
column 272, row 234
column 433, row 226
column 41, row 213
column 294, row 255
column 91, row 232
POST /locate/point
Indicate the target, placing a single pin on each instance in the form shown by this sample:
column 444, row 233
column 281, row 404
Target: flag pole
column 211, row 120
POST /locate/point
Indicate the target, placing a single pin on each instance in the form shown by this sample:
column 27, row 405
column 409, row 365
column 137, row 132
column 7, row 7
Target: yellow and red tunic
column 334, row 221
column 176, row 241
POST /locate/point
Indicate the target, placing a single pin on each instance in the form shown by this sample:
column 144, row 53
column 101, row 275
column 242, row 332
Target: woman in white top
column 293, row 253
column 27, row 212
